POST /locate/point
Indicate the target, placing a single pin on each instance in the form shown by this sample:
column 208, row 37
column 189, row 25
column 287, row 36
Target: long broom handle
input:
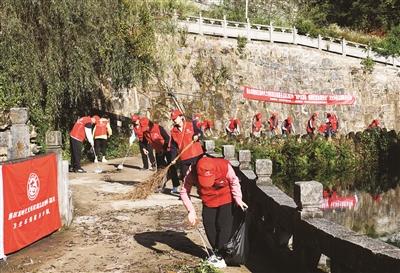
column 179, row 155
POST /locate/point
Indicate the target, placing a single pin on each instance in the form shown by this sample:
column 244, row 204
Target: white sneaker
column 95, row 160
column 104, row 160
column 174, row 190
column 216, row 261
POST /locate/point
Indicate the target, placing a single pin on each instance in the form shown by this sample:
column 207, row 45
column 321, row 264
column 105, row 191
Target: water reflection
column 376, row 215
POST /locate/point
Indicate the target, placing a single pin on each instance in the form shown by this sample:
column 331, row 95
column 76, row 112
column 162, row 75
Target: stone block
column 19, row 115
column 234, row 163
column 249, row 174
column 20, row 144
column 245, row 159
column 244, row 156
column 229, row 151
column 210, row 146
column 53, row 138
column 263, row 167
column 308, row 197
column 264, row 179
column 5, row 138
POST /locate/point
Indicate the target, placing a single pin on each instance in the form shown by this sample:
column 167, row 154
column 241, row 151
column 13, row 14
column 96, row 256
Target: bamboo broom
column 154, row 181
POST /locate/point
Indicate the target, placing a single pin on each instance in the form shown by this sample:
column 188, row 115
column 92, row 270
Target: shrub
column 241, row 44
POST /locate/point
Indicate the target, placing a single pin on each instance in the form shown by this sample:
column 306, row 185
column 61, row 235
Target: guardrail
column 232, row 29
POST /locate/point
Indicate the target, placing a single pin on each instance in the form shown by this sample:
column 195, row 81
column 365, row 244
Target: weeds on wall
column 368, row 65
column 241, row 45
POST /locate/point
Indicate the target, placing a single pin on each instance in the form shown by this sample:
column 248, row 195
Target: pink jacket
column 191, row 179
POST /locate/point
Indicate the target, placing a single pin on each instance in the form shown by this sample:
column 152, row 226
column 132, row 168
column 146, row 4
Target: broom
column 153, row 182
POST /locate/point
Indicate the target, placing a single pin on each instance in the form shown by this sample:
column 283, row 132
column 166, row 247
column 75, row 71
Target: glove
column 145, row 152
column 242, row 205
column 195, row 137
column 192, row 217
column 132, row 139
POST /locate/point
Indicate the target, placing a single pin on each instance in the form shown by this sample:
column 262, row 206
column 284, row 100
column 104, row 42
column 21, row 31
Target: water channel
column 375, row 215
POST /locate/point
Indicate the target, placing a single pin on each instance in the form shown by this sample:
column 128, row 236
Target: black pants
column 75, row 148
column 100, row 146
column 145, row 158
column 218, row 224
column 163, row 159
column 185, row 164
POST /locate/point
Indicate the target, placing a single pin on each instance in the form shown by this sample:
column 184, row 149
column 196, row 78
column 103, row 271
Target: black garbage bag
column 236, row 249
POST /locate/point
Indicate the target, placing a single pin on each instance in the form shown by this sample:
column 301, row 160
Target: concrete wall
column 207, row 73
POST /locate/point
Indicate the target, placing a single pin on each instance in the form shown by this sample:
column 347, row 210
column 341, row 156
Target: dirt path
column 111, row 235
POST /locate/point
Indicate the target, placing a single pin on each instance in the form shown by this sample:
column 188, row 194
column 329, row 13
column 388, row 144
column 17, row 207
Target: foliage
column 390, row 45
column 364, row 161
column 357, row 21
column 241, row 44
column 362, row 15
column 368, row 65
column 202, row 267
column 62, row 59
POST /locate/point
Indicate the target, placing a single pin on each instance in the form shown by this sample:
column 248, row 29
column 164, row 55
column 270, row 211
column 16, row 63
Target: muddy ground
column 110, row 234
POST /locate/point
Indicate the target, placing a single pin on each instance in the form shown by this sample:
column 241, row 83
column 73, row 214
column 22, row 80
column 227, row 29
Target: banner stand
column 2, row 256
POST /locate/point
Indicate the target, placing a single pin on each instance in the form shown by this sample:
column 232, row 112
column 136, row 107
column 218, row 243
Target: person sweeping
column 159, row 139
column 219, row 189
column 182, row 135
column 82, row 130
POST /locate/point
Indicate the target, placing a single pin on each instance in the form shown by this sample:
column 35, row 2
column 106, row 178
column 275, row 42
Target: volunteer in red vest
column 101, row 132
column 143, row 144
column 196, row 120
column 82, row 130
column 311, row 125
column 232, row 127
column 219, row 188
column 159, row 140
column 273, row 124
column 374, row 124
column 332, row 124
column 206, row 126
column 182, row 135
column 257, row 125
column 287, row 127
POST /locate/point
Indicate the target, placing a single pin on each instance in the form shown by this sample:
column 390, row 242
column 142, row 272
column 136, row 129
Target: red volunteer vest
column 257, row 126
column 220, row 193
column 101, row 128
column 273, row 123
column 138, row 132
column 78, row 131
column 232, row 125
column 207, row 124
column 184, row 138
column 154, row 138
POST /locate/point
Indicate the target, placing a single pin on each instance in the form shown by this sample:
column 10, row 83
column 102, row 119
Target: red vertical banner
column 30, row 201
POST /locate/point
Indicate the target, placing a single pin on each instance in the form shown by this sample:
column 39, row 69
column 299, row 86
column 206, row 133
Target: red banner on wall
column 30, row 212
column 289, row 98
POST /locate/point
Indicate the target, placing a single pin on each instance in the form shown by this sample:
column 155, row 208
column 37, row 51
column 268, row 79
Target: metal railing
column 232, row 29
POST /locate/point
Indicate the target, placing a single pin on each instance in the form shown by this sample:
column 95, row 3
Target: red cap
column 206, row 172
column 258, row 115
column 144, row 123
column 134, row 118
column 176, row 113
